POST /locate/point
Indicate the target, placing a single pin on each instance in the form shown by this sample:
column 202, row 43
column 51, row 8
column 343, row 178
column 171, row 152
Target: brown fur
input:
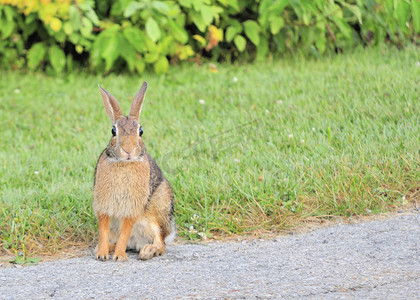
column 127, row 226
column 131, row 198
column 103, row 245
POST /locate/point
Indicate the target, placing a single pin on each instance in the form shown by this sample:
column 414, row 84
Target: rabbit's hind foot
column 149, row 251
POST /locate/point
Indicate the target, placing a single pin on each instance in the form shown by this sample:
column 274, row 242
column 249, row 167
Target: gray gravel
column 376, row 260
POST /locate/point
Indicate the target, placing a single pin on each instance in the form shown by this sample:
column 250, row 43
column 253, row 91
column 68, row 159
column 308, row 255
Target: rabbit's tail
column 171, row 236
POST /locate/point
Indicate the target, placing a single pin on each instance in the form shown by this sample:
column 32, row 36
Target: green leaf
column 321, row 43
column 297, row 8
column 166, row 45
column 303, row 10
column 262, row 49
column 343, row 26
column 68, row 29
column 179, row 33
column 264, row 7
column 415, row 7
column 207, row 14
column 355, row 10
column 230, row 33
column 89, row 12
column 216, row 11
column 132, row 8
column 95, row 57
column 151, row 46
column 240, row 42
column 279, row 6
column 29, row 28
column 74, row 38
column 403, row 12
column 60, row 36
column 75, row 18
column 151, row 57
column 9, row 12
column 7, row 29
column 276, row 24
column 140, row 65
column 135, row 37
column 86, row 28
column 152, row 29
column 198, row 21
column 335, row 10
column 308, row 35
column 392, row 25
column 186, row 3
column 161, row 7
column 306, row 18
column 307, row 5
column 35, row 55
column 197, row 4
column 110, row 50
column 57, row 58
column 232, row 3
column 128, row 53
column 252, row 30
column 162, row 65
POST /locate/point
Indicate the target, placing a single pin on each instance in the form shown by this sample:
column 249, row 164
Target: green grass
column 286, row 141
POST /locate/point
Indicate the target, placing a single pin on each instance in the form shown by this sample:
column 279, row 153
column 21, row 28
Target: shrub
column 111, row 36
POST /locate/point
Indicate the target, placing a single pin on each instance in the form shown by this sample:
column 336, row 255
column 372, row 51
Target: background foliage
column 131, row 35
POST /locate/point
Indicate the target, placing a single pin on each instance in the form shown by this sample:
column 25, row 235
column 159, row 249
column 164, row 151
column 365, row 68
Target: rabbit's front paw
column 119, row 256
column 102, row 251
column 149, row 251
column 103, row 256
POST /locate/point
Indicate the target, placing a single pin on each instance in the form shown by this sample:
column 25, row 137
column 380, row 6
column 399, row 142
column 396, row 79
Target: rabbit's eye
column 140, row 131
column 114, row 131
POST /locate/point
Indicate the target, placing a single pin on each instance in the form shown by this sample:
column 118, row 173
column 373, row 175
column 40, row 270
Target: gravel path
column 376, row 260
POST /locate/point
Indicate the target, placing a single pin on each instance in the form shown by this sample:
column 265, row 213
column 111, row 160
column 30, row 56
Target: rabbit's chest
column 121, row 189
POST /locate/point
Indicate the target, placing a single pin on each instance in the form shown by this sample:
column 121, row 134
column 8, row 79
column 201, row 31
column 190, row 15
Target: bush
column 108, row 36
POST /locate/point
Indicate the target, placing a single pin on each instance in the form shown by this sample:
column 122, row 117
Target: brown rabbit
column 132, row 200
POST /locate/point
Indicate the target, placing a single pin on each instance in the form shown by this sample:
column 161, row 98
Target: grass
column 288, row 140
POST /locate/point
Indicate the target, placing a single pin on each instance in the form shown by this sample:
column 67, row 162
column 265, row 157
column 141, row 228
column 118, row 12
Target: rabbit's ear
column 137, row 102
column 111, row 105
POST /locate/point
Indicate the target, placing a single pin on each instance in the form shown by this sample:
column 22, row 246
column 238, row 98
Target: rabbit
column 132, row 200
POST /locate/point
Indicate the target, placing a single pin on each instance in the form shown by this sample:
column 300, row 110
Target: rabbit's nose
column 126, row 153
